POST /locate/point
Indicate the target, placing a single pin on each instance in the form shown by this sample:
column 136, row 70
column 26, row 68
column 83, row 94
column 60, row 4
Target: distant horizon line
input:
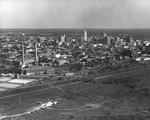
column 68, row 28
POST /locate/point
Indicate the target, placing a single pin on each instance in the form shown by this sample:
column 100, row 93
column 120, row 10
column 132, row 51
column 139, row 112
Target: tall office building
column 63, row 38
column 103, row 34
column 85, row 35
column 129, row 39
column 117, row 41
column 108, row 40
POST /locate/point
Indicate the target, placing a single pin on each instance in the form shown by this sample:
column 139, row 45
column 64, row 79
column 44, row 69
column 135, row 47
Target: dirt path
column 34, row 109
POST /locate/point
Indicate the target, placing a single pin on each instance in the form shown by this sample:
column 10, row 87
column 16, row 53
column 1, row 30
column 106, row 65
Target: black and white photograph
column 74, row 59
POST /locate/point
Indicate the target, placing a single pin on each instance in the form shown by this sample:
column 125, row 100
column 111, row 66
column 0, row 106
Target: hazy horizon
column 75, row 28
column 74, row 14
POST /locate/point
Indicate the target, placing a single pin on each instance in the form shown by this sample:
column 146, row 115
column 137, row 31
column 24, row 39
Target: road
column 59, row 84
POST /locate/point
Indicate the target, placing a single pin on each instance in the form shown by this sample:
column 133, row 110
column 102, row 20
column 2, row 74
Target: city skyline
column 74, row 14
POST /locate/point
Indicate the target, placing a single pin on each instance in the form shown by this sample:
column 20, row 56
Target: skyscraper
column 103, row 34
column 108, row 40
column 85, row 35
column 63, row 38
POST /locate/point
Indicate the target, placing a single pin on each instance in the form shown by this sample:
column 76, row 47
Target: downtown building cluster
column 32, row 51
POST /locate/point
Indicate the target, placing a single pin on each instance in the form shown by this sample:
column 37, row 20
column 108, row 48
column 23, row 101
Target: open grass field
column 122, row 97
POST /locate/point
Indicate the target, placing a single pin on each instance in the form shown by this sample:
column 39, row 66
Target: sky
column 74, row 14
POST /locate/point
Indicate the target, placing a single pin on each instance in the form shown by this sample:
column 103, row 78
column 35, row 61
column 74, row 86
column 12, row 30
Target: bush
column 127, row 82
